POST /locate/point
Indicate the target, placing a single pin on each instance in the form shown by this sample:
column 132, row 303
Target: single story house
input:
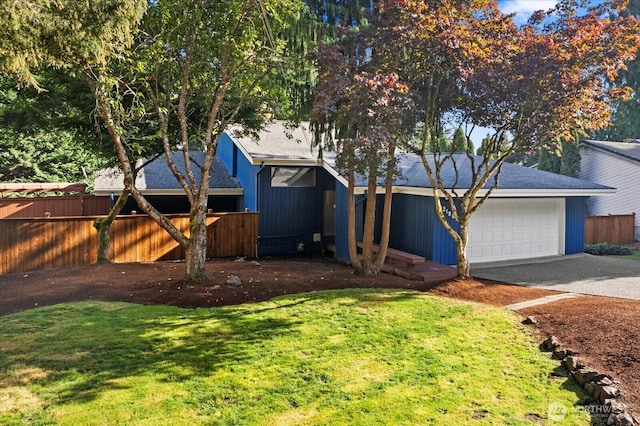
column 164, row 192
column 303, row 199
column 614, row 164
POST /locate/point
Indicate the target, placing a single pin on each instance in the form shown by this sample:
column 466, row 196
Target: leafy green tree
column 49, row 135
column 71, row 36
column 487, row 146
column 198, row 68
column 563, row 159
column 320, row 21
column 64, row 34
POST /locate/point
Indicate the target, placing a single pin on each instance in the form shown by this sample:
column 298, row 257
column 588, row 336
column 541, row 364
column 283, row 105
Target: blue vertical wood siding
column 290, row 214
column 412, row 224
column 342, row 223
column 575, row 212
column 415, row 228
column 225, row 149
column 444, row 246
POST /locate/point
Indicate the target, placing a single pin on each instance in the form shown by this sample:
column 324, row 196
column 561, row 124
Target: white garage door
column 503, row 229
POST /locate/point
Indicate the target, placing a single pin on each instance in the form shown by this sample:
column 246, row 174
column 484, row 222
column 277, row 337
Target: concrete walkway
column 580, row 273
column 540, row 301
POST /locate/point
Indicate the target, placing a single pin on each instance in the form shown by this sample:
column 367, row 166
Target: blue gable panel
column 289, row 215
column 241, row 168
column 224, row 151
column 247, row 174
column 575, row 212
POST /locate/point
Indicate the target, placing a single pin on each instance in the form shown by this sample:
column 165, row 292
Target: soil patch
column 605, row 331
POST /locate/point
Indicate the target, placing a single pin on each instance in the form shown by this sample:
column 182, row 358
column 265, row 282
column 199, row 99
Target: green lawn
column 358, row 357
column 634, row 256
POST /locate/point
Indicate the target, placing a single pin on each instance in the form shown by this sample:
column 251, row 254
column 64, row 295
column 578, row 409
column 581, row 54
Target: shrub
column 606, row 249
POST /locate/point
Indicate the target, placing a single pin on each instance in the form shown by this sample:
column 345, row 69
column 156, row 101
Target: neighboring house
column 164, row 192
column 303, row 199
column 615, row 164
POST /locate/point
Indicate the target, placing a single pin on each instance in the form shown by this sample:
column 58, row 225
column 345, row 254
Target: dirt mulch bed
column 605, row 331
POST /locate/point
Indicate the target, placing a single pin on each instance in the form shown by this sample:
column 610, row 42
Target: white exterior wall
column 620, row 173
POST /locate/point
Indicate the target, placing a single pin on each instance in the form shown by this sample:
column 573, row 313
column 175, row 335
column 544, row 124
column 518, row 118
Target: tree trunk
column 354, row 259
column 103, row 225
column 369, row 265
column 196, row 250
column 463, row 269
column 386, row 209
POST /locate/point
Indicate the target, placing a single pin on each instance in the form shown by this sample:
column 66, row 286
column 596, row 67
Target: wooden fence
column 64, row 206
column 39, row 243
column 612, row 229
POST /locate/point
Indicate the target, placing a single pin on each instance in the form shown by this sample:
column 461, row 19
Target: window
column 293, row 177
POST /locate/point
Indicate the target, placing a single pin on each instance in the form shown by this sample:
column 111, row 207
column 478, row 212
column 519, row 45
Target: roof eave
column 171, row 192
column 499, row 193
column 287, row 162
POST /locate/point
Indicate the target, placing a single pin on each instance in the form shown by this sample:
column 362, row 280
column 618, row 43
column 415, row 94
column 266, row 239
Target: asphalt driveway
column 580, row 273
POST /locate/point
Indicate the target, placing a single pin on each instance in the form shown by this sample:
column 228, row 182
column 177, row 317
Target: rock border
column 602, row 387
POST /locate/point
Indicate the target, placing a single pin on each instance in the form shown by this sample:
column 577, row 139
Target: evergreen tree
column 564, row 160
column 570, row 163
column 320, row 22
column 488, row 141
column 625, row 120
column 49, row 135
column 548, row 161
column 460, row 142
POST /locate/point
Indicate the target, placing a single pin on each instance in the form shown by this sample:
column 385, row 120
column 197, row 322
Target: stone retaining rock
column 599, row 386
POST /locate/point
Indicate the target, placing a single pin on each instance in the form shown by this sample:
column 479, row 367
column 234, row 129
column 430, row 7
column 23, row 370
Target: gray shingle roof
column 512, row 176
column 156, row 176
column 628, row 150
column 280, row 143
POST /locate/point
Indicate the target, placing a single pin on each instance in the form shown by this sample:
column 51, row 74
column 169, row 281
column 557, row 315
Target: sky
column 524, row 8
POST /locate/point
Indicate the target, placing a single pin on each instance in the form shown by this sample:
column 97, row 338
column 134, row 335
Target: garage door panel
column 513, row 229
